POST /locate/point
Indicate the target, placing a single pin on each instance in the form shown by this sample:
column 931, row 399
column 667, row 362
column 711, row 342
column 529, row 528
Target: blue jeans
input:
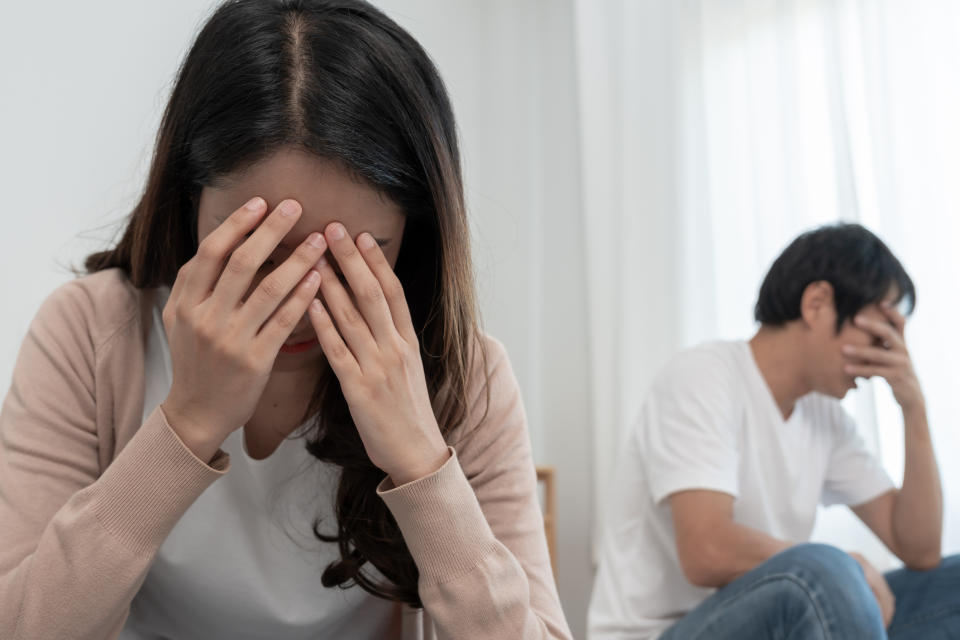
column 819, row 592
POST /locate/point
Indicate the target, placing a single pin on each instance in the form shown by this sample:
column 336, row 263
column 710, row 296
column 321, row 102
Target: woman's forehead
column 326, row 192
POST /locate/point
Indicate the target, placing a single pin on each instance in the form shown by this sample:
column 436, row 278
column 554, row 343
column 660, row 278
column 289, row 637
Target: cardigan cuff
column 151, row 484
column 441, row 520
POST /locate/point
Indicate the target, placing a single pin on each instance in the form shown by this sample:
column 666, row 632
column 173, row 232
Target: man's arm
column 713, row 549
column 908, row 521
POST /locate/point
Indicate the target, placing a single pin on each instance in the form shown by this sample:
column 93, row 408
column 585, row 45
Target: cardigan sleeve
column 75, row 544
column 474, row 526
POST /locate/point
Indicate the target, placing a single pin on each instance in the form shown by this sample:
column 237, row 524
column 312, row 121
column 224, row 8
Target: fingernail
column 316, row 240
column 255, row 204
column 847, row 348
column 312, row 277
column 321, row 263
column 316, row 306
column 289, row 208
column 337, row 231
column 365, row 241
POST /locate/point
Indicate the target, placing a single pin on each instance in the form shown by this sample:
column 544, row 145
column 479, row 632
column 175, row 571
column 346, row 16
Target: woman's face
column 327, row 193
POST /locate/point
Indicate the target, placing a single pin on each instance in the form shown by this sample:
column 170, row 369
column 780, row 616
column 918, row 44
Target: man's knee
column 950, row 564
column 824, row 568
column 818, row 559
column 820, row 585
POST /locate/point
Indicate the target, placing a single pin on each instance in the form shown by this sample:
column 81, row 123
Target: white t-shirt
column 243, row 561
column 711, row 422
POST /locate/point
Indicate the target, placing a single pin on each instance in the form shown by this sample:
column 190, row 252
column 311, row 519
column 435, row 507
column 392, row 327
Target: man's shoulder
column 708, row 362
column 708, row 380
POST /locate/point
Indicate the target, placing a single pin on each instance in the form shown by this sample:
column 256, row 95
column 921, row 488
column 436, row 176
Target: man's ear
column 816, row 303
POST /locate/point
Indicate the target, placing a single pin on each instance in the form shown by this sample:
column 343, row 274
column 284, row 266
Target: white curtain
column 715, row 132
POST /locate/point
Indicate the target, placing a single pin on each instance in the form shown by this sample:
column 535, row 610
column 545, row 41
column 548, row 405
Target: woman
column 268, row 411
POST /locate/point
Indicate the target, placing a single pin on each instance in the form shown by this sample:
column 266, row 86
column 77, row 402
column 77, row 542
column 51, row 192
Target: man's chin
column 850, row 386
column 838, row 392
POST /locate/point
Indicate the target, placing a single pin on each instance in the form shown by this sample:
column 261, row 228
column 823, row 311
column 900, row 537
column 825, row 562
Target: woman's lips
column 298, row 346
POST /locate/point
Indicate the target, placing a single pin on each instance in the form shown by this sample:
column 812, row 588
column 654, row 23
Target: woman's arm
column 474, row 527
column 75, row 545
column 475, row 532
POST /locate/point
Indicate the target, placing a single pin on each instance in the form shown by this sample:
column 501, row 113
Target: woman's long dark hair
column 338, row 79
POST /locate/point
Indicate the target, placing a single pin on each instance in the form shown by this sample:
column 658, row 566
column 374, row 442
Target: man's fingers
column 881, row 330
column 897, row 318
column 873, row 356
column 866, row 371
column 888, row 602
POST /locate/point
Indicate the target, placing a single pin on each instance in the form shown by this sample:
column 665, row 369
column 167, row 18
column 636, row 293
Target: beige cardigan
column 88, row 493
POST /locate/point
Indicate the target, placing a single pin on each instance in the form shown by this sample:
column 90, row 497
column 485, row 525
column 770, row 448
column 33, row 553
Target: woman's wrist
column 197, row 440
column 421, row 467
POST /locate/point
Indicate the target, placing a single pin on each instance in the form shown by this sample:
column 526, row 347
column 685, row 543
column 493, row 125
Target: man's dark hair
column 853, row 260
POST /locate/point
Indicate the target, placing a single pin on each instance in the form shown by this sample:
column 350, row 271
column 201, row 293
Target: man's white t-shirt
column 711, row 422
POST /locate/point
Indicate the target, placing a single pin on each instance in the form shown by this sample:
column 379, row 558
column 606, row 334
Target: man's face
column 826, row 347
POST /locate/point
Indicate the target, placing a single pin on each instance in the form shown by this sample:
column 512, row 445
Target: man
column 736, row 445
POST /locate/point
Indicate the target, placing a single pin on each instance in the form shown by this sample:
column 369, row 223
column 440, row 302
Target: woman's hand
column 223, row 350
column 375, row 354
column 888, row 359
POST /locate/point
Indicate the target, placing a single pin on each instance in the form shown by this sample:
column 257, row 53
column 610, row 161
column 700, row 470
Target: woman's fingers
column 277, row 329
column 205, row 267
column 272, row 290
column 347, row 318
column 247, row 259
column 338, row 355
column 364, row 285
column 389, row 284
column 170, row 308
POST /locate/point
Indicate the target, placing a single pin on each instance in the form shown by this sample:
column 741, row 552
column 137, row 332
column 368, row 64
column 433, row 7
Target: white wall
column 81, row 103
column 510, row 68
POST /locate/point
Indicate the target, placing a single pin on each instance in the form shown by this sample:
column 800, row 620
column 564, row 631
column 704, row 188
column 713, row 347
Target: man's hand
column 909, row 521
column 888, row 358
column 878, row 584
